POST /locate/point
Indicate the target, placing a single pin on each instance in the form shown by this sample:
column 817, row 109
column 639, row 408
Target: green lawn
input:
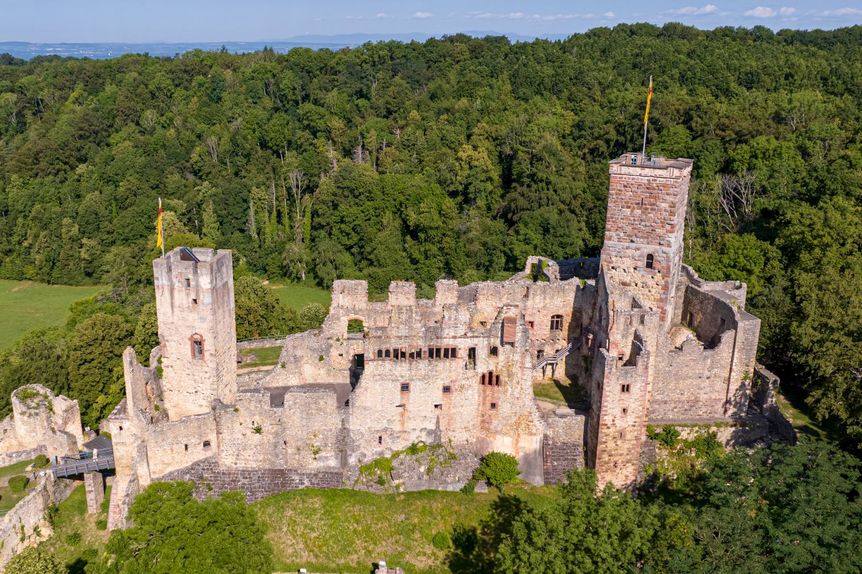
column 297, row 296
column 264, row 357
column 26, row 305
column 563, row 392
column 341, row 530
column 13, row 469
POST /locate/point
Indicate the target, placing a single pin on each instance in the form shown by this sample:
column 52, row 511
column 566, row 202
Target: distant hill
column 105, row 50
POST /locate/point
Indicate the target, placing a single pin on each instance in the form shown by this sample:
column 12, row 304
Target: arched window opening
column 649, row 261
column 197, row 346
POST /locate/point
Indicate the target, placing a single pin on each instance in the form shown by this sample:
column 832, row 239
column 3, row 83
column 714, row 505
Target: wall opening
column 556, row 322
column 197, row 345
column 650, row 261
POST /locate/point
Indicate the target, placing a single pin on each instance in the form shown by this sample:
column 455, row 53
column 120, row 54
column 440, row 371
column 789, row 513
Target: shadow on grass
column 570, row 393
column 474, row 548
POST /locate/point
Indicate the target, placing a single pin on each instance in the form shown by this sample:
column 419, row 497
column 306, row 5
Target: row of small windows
column 490, row 378
column 405, row 388
column 430, row 353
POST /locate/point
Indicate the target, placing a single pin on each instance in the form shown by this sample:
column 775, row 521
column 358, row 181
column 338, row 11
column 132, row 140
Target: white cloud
column 422, row 15
column 761, row 12
column 842, row 12
column 381, row 15
column 609, row 15
column 786, row 11
column 695, row 11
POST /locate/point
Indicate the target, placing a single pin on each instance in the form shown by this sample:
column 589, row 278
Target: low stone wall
column 259, row 344
column 214, row 480
column 12, row 457
column 25, row 525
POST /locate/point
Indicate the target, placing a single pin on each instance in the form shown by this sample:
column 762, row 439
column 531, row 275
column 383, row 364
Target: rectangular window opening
column 206, row 444
column 405, row 387
column 447, row 389
column 493, row 406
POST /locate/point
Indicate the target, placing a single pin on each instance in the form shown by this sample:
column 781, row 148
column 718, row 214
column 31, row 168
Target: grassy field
column 264, row 357
column 348, row 530
column 297, row 296
column 25, row 305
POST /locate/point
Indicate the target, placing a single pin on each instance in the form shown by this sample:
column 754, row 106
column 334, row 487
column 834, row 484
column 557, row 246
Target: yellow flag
column 648, row 100
column 159, row 226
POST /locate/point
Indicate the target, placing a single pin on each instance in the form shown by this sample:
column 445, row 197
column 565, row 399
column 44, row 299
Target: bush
column 18, row 483
column 497, row 469
column 102, row 524
column 441, row 541
column 668, row 436
column 41, row 461
column 34, row 560
column 73, row 539
column 469, row 487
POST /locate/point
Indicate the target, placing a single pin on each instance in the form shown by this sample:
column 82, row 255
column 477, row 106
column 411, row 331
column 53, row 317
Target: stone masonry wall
column 563, row 445
column 25, row 524
column 646, row 217
column 211, row 479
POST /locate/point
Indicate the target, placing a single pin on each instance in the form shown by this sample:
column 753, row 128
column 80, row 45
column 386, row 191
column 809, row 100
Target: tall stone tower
column 644, row 229
column 640, row 266
column 197, row 329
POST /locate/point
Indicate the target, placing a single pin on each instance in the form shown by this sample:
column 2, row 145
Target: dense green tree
column 781, row 509
column 95, row 370
column 259, row 312
column 582, row 532
column 38, row 358
column 174, row 533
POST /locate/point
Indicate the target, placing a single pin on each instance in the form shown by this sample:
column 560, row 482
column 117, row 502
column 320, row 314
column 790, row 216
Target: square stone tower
column 197, row 329
column 643, row 245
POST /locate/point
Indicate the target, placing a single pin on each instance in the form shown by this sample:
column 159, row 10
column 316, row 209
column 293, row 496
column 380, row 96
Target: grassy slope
column 25, row 305
column 297, row 296
column 72, row 518
column 335, row 530
column 347, row 530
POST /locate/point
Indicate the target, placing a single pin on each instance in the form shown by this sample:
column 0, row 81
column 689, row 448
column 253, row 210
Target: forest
column 456, row 157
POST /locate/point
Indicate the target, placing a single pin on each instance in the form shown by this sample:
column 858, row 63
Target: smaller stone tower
column 643, row 245
column 197, row 330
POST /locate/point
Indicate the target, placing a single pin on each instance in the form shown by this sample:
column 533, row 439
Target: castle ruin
column 647, row 340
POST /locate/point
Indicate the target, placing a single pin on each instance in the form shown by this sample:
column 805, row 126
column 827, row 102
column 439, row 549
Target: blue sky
column 248, row 20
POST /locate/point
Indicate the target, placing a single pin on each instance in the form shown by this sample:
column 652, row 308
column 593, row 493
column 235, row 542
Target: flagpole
column 646, row 116
column 161, row 227
column 643, row 150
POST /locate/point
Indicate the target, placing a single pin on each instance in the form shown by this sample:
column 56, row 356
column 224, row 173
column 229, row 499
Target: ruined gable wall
column 710, row 381
column 563, row 445
column 176, row 444
column 302, row 432
column 41, row 419
column 691, row 383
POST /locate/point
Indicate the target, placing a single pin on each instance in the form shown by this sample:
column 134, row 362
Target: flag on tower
column 648, row 100
column 159, row 242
